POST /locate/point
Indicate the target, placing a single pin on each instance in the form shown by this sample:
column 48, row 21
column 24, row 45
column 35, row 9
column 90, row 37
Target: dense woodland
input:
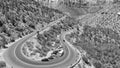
column 19, row 18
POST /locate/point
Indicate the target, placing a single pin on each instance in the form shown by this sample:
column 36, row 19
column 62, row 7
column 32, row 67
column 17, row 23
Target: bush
column 3, row 42
column 97, row 64
column 3, row 64
column 41, row 39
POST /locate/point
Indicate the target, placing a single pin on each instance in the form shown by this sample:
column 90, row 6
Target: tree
column 97, row 64
column 3, row 42
column 101, row 44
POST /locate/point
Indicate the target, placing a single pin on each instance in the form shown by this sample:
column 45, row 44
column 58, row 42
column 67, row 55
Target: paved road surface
column 13, row 56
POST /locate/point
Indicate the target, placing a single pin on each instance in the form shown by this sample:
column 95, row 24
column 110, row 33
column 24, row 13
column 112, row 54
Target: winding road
column 14, row 57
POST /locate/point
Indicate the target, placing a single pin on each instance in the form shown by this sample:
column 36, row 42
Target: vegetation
column 90, row 6
column 49, row 39
column 2, row 42
column 101, row 44
column 21, row 17
column 3, row 64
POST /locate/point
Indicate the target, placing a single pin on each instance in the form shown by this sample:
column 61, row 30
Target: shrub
column 3, row 64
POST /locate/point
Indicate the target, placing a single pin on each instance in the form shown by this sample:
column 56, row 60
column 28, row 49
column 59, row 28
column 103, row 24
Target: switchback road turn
column 14, row 57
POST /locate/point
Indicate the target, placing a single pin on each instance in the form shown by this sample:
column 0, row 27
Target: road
column 80, row 51
column 41, row 30
column 14, row 57
column 74, row 59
